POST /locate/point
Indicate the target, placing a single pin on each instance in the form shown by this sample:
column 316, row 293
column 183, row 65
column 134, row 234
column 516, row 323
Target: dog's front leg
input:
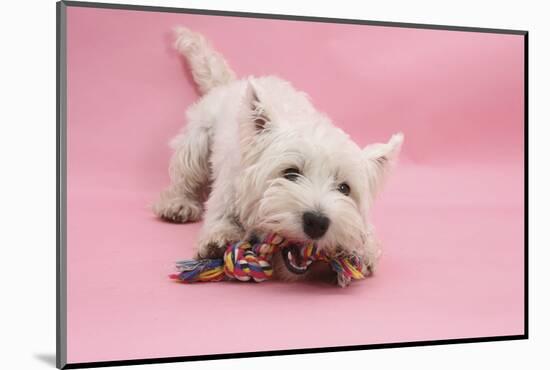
column 221, row 224
column 371, row 251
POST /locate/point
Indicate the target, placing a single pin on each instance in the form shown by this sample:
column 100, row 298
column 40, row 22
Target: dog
column 256, row 157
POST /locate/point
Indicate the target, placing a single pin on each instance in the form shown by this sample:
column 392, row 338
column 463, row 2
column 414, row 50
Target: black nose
column 315, row 224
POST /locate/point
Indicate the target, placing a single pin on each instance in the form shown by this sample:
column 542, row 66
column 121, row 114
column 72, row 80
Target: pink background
column 451, row 217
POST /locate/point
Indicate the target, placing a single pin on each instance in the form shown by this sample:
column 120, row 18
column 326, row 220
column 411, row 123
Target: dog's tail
column 209, row 68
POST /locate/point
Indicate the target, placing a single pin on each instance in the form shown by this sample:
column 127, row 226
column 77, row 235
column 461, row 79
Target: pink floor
column 451, row 217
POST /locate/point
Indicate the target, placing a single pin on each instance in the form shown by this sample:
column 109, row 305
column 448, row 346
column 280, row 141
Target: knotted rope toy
column 246, row 260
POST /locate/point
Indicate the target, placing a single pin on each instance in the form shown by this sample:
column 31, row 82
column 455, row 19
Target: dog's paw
column 215, row 241
column 209, row 251
column 370, row 255
column 179, row 210
column 369, row 264
column 212, row 249
column 342, row 281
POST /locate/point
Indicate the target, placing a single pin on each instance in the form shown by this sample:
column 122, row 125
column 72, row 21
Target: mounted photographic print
column 237, row 184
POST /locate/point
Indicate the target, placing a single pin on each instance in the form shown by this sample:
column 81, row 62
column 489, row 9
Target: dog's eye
column 291, row 174
column 344, row 188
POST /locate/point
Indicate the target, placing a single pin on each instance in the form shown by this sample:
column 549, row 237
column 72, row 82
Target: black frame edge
column 526, row 181
column 61, row 167
column 287, row 17
column 163, row 360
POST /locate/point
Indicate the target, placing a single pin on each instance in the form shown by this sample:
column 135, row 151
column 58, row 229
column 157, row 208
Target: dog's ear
column 254, row 117
column 380, row 158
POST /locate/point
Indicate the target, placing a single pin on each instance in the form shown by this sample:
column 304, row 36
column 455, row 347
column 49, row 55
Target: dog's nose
column 315, row 224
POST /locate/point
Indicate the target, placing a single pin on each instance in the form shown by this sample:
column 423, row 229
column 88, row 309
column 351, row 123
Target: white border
column 27, row 145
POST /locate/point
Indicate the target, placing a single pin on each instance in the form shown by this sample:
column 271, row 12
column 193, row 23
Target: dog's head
column 304, row 178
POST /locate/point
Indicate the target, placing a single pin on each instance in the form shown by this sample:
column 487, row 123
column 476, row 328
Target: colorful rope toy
column 245, row 260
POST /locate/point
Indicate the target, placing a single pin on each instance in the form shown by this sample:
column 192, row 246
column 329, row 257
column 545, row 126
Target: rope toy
column 245, row 260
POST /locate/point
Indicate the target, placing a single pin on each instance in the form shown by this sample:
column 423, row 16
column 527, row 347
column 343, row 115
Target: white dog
column 258, row 157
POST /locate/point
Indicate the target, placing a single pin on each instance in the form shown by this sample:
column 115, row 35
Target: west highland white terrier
column 257, row 157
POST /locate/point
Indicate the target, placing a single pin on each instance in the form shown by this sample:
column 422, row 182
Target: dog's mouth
column 294, row 261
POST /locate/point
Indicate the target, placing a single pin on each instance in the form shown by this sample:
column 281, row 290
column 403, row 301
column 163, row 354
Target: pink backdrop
column 451, row 217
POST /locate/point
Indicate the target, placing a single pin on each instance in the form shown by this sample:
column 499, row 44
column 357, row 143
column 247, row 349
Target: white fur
column 241, row 136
